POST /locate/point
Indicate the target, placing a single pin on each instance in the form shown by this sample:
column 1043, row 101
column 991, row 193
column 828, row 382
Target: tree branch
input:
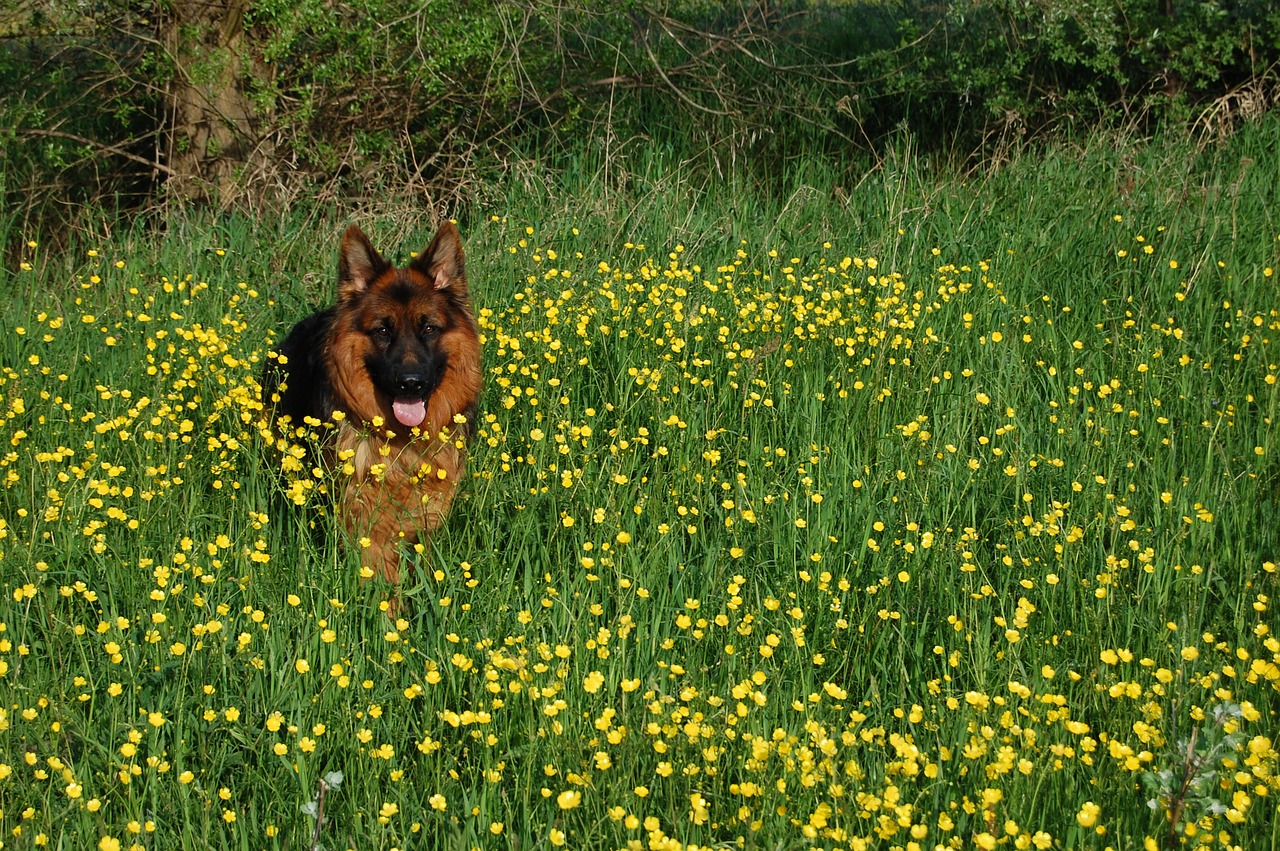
column 100, row 146
column 676, row 89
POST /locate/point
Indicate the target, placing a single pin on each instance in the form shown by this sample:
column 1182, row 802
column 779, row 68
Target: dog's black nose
column 413, row 385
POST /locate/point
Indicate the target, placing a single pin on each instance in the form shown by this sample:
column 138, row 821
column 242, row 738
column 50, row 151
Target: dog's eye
column 428, row 329
column 382, row 332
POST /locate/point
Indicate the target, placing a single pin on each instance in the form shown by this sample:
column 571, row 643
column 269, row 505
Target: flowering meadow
column 766, row 541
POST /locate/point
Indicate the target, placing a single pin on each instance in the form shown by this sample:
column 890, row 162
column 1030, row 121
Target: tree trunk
column 210, row 117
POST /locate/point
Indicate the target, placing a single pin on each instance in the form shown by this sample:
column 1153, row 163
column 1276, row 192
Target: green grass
column 909, row 511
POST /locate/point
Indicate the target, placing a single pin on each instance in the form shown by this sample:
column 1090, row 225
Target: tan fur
column 405, row 501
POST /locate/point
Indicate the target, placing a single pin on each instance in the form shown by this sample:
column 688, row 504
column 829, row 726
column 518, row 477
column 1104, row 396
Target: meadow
column 935, row 511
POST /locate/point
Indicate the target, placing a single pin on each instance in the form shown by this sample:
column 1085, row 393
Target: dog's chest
column 366, row 457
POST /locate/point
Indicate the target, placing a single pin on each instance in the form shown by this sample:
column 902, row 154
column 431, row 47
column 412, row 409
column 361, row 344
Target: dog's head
column 399, row 329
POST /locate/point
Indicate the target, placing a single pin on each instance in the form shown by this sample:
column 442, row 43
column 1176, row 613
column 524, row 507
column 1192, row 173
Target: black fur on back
column 305, row 374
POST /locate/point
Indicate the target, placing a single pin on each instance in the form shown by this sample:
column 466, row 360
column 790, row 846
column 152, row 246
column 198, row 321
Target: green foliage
column 1006, row 65
column 61, row 91
column 382, row 100
column 1185, row 785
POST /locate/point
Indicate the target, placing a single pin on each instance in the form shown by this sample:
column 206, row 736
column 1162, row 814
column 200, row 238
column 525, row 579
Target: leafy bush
column 269, row 101
column 1063, row 64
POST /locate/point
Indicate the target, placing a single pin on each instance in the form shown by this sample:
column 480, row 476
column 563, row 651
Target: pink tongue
column 410, row 412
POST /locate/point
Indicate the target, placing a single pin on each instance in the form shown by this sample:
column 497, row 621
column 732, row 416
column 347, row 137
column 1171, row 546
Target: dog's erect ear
column 359, row 264
column 442, row 263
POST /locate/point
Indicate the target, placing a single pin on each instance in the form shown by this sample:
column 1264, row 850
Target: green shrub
column 272, row 101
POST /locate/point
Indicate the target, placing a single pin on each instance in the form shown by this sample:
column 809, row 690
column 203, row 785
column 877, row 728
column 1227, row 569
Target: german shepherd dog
column 394, row 366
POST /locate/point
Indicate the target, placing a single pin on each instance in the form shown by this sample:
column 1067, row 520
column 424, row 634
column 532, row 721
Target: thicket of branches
column 262, row 102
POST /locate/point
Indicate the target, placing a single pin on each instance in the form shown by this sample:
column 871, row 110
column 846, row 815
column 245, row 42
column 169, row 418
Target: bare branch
column 657, row 66
column 99, row 146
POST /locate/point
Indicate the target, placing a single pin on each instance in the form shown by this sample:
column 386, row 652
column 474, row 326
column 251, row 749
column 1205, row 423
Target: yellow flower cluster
column 754, row 549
